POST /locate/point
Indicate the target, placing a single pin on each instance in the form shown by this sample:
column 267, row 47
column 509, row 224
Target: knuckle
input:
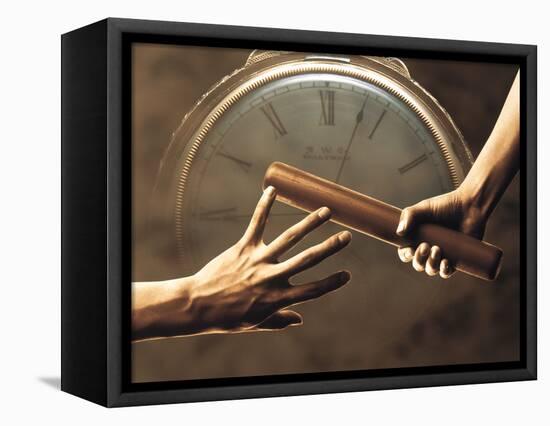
column 333, row 242
column 423, row 251
column 277, row 271
column 418, row 266
column 291, row 236
column 272, row 298
column 431, row 271
column 406, row 254
column 256, row 257
column 308, row 257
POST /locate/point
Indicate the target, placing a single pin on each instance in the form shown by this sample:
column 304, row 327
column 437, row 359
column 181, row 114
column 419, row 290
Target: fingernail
column 270, row 190
column 344, row 276
column 324, row 213
column 424, row 250
column 400, row 227
column 344, row 237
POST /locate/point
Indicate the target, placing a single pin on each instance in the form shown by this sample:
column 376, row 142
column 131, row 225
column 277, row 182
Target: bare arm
column 161, row 308
column 468, row 208
column 498, row 161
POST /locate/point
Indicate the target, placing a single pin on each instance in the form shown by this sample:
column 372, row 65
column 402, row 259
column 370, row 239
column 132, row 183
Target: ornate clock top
column 394, row 63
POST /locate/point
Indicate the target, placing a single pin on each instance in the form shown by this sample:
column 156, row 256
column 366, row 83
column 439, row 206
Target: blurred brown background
column 481, row 324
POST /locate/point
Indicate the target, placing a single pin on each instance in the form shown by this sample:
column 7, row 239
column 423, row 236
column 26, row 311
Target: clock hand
column 358, row 120
column 245, row 165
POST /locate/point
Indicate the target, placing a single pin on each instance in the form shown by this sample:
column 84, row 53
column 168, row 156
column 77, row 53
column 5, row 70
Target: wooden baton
column 379, row 220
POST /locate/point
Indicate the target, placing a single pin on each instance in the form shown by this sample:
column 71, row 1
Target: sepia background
column 479, row 324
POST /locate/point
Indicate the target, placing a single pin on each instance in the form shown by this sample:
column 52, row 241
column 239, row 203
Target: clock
column 362, row 122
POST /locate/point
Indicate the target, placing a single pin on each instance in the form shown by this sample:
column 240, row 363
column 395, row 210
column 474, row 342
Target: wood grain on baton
column 379, row 220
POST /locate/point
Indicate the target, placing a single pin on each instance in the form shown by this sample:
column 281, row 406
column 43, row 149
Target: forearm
column 161, row 309
column 498, row 161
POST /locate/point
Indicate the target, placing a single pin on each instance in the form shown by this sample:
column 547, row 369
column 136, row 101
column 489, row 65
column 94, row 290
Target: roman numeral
column 327, row 108
column 274, row 119
column 412, row 164
column 245, row 165
column 377, row 124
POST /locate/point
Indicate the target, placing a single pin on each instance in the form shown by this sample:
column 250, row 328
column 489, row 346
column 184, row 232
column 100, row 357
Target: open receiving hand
column 247, row 288
column 452, row 210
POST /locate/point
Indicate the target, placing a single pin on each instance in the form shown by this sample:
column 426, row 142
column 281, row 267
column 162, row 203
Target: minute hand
column 358, row 120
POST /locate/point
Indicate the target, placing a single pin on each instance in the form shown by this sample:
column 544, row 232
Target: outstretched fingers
column 313, row 290
column 297, row 232
column 314, row 255
column 255, row 230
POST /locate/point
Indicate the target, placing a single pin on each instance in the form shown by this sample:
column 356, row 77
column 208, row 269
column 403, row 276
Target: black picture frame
column 96, row 225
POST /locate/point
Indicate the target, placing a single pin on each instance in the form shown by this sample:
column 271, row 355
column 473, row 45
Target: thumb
column 280, row 320
column 413, row 216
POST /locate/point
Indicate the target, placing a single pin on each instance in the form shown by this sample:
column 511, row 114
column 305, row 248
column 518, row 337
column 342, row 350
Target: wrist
column 474, row 197
column 475, row 212
column 161, row 309
column 175, row 312
column 194, row 306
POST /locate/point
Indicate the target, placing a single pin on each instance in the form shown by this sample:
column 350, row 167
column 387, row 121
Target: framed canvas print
column 252, row 212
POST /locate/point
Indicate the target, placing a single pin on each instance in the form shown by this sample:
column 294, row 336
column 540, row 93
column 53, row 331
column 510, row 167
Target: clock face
column 337, row 127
